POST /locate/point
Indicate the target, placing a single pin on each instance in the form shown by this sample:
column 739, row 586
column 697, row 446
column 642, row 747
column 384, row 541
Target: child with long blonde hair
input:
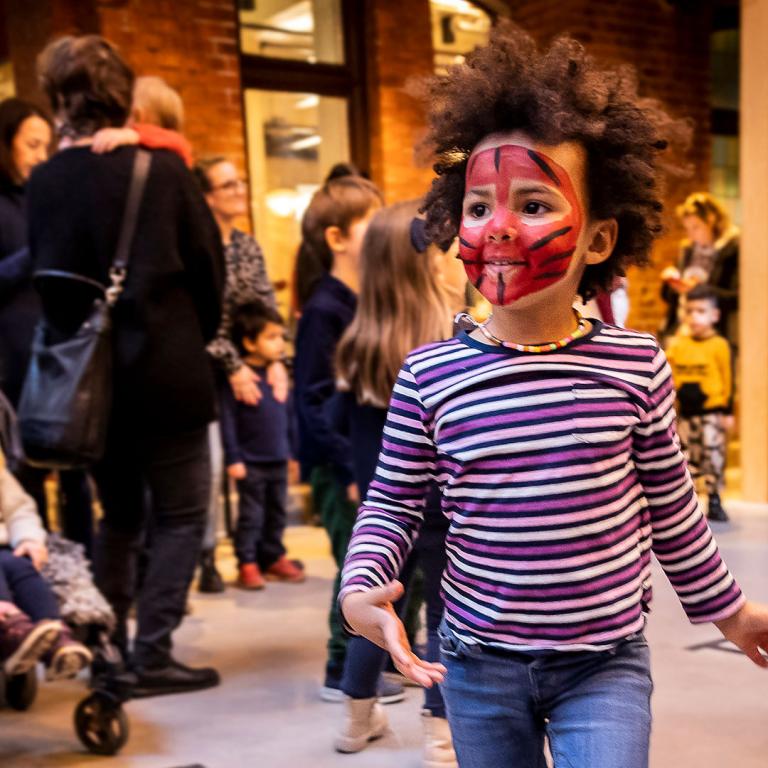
column 409, row 292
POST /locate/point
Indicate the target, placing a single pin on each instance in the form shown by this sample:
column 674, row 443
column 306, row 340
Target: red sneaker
column 285, row 570
column 249, row 577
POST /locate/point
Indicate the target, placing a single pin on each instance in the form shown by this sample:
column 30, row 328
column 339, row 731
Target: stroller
column 100, row 721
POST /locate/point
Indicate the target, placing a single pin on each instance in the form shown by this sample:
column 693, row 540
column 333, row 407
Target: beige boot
column 364, row 721
column 438, row 743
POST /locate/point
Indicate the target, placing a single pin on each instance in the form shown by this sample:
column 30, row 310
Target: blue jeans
column 593, row 706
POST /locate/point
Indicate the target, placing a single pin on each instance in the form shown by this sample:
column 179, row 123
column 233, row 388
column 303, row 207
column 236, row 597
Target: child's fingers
column 756, row 656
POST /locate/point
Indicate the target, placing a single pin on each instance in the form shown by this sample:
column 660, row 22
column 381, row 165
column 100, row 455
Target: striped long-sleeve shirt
column 560, row 472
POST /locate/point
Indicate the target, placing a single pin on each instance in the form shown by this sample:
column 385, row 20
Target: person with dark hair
column 25, row 141
column 340, row 170
column 163, row 392
column 703, row 373
column 257, row 446
column 246, row 281
column 550, row 435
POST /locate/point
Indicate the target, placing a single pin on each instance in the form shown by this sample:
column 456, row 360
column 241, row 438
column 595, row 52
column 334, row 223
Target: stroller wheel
column 101, row 724
column 21, row 690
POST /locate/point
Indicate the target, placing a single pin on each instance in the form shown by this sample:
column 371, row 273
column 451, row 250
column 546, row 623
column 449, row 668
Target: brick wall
column 669, row 47
column 193, row 46
column 401, row 49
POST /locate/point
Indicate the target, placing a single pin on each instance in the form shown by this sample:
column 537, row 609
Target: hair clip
column 452, row 157
column 419, row 235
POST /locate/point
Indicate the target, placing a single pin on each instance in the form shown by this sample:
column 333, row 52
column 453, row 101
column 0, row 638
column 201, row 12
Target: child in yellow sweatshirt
column 701, row 367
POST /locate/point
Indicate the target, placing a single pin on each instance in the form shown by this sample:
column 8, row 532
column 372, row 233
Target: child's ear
column 335, row 239
column 249, row 345
column 602, row 239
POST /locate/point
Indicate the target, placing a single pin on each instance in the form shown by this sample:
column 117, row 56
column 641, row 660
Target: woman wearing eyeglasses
column 246, row 281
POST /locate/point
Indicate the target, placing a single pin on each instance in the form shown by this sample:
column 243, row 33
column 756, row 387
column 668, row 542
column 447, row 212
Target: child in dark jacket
column 257, row 446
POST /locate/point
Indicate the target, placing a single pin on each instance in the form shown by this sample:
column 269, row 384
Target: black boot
column 210, row 579
column 716, row 512
column 172, row 677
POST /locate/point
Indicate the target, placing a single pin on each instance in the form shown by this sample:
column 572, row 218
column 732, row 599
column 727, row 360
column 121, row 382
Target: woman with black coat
column 25, row 140
column 170, row 308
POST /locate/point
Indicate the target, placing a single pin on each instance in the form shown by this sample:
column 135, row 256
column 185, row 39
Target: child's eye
column 532, row 207
column 478, row 210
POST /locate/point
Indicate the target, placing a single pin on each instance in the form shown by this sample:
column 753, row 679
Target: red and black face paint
column 509, row 255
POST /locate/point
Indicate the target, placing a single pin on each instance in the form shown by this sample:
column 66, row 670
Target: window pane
column 293, row 141
column 724, row 64
column 308, row 30
column 724, row 173
column 458, row 27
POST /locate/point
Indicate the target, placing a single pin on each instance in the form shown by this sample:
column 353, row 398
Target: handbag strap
column 119, row 269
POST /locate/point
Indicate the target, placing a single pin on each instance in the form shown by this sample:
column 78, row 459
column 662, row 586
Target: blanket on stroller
column 69, row 574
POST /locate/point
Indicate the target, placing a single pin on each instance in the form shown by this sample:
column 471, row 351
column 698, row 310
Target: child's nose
column 502, row 229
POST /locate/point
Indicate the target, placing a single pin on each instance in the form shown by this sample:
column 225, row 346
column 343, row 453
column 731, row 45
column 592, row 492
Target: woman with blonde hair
column 409, row 292
column 710, row 256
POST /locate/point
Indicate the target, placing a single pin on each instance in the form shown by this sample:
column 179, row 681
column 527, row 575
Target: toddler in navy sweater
column 257, row 446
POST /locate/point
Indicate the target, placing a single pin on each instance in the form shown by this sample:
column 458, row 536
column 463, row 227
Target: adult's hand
column 371, row 614
column 34, row 550
column 748, row 629
column 108, row 139
column 245, row 385
column 277, row 378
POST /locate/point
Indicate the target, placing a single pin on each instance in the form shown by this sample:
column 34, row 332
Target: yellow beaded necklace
column 582, row 328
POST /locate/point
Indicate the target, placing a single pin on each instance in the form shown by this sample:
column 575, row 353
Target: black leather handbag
column 67, row 394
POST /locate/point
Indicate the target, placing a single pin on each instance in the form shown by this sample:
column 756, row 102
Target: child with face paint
column 551, row 436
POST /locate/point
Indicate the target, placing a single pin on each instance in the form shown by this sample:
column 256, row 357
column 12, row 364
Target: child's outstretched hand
column 372, row 615
column 34, row 550
column 108, row 139
column 748, row 628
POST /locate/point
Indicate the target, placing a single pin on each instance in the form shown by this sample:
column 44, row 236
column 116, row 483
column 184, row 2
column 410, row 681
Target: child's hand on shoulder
column 108, row 139
column 237, row 471
column 748, row 629
column 728, row 422
column 36, row 551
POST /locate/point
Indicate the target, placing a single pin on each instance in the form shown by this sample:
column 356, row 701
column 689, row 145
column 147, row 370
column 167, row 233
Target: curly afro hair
column 555, row 95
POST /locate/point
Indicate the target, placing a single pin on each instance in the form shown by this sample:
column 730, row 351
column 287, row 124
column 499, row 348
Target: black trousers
column 175, row 472
column 261, row 514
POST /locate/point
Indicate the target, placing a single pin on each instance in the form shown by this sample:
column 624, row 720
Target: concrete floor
column 710, row 705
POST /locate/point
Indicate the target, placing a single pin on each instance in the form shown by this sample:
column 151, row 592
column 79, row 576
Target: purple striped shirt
column 560, row 472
